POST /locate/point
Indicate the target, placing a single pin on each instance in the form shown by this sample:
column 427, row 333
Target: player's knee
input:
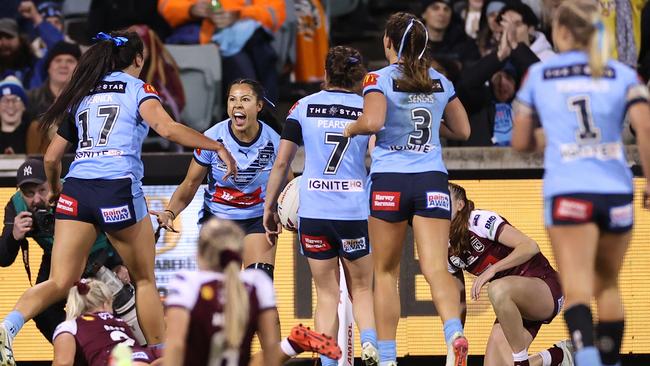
column 435, row 277
column 498, row 291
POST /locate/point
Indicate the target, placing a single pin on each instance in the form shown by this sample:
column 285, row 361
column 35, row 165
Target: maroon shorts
column 143, row 354
column 552, row 280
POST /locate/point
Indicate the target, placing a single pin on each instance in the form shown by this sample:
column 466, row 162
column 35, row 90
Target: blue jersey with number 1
column 582, row 119
column 409, row 141
column 109, row 131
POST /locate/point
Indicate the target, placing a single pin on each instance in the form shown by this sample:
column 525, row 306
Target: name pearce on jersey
column 333, row 111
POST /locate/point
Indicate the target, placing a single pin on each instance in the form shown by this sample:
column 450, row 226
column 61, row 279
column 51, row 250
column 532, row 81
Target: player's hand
column 224, row 18
column 28, row 10
column 347, row 132
column 480, row 281
column 165, row 219
column 53, row 196
column 22, row 225
column 231, row 164
column 290, row 226
column 122, row 273
column 272, row 225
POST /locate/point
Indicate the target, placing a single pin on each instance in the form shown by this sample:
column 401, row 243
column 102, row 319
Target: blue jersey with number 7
column 108, row 130
column 409, row 142
column 582, row 119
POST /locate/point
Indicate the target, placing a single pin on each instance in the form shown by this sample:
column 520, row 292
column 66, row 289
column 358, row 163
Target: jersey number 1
column 587, row 130
column 110, row 113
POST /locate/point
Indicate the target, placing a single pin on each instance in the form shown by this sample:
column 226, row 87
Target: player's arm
column 52, row 163
column 277, row 181
column 183, row 195
column 65, row 348
column 523, row 129
column 456, row 123
column 178, row 320
column 155, row 115
column 373, row 118
column 638, row 113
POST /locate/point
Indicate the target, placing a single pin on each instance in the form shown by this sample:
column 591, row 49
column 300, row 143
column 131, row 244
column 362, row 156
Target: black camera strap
column 24, row 248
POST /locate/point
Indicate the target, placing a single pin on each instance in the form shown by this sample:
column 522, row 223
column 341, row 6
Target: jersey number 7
column 341, row 146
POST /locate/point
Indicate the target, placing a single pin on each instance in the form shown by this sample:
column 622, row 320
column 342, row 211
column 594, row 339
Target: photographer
column 28, row 215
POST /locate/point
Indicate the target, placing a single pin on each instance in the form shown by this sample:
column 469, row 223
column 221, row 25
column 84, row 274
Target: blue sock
column 14, row 321
column 370, row 336
column 452, row 326
column 326, row 361
column 587, row 356
column 387, row 350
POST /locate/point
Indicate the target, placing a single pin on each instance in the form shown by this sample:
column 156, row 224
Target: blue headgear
column 118, row 41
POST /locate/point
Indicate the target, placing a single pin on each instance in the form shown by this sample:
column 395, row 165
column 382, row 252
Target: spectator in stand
column 59, row 65
column 489, row 32
column 111, row 15
column 242, row 29
column 47, row 21
column 490, row 107
column 622, row 20
column 447, row 39
column 16, row 57
column 525, row 24
column 471, row 15
column 13, row 119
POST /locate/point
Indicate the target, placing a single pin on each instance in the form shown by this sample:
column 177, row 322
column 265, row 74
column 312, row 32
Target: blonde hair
column 220, row 247
column 582, row 18
column 85, row 295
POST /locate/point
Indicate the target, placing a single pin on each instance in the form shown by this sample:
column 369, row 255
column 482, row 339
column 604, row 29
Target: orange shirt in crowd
column 312, row 43
column 270, row 13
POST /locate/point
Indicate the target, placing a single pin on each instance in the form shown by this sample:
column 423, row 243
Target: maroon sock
column 522, row 363
column 557, row 355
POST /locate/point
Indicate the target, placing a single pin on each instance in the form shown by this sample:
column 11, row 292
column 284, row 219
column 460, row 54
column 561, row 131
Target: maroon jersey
column 202, row 294
column 96, row 334
column 485, row 250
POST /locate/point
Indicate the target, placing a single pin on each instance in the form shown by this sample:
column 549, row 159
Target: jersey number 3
column 109, row 113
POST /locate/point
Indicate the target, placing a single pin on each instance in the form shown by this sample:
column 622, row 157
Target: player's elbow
column 464, row 132
column 165, row 130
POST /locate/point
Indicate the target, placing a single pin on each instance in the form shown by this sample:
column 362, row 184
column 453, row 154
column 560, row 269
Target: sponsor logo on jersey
column 370, row 79
column 477, row 245
column 457, row 262
column 476, row 217
column 438, row 200
column 294, row 106
column 88, row 318
column 606, row 151
column 486, row 262
column 207, row 293
column 353, row 245
column 236, row 198
column 572, row 209
column 149, row 89
column 335, row 185
column 246, row 176
column 116, row 214
column 414, row 148
column 437, row 88
column 66, row 205
column 137, row 356
column 575, row 70
column 621, row 216
column 110, row 87
column 315, row 244
column 81, row 154
column 333, row 111
column 385, row 201
column 490, row 225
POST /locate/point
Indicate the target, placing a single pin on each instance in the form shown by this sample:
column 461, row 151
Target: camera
column 42, row 223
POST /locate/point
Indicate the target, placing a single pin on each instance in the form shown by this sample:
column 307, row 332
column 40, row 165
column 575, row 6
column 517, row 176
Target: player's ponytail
column 582, row 18
column 267, row 114
column 113, row 52
column 220, row 246
column 344, row 68
column 409, row 37
column 87, row 295
column 459, row 235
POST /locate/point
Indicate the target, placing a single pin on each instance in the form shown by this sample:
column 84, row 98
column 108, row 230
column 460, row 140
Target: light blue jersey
column 582, row 119
column 109, row 130
column 334, row 179
column 241, row 197
column 409, row 142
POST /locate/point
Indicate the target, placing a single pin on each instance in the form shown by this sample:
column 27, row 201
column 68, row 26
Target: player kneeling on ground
column 213, row 314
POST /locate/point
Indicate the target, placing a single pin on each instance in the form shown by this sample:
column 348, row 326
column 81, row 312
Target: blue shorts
column 326, row 239
column 396, row 197
column 107, row 203
column 611, row 212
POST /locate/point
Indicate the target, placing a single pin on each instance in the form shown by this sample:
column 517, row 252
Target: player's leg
column 432, row 237
column 258, row 253
column 497, row 351
column 387, row 241
column 325, row 273
column 574, row 247
column 70, row 249
column 514, row 297
column 611, row 316
column 135, row 245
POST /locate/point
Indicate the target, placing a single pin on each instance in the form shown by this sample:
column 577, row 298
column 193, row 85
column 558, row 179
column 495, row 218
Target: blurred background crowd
column 195, row 48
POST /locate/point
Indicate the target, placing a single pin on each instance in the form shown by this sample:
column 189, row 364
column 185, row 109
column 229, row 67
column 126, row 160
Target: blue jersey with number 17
column 582, row 119
column 409, row 142
column 334, row 179
column 108, row 130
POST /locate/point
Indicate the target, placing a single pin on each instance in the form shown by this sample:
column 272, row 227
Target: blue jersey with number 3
column 409, row 141
column 333, row 184
column 582, row 119
column 109, row 131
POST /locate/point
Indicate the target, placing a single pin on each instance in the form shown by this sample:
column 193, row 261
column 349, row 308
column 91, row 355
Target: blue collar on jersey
column 242, row 143
column 339, row 91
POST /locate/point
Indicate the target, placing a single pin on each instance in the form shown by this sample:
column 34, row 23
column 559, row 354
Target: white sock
column 546, row 357
column 521, row 356
column 287, row 349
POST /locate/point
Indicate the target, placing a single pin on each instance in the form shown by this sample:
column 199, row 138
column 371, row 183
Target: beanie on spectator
column 61, row 48
column 494, row 7
column 50, row 9
column 12, row 86
column 427, row 3
column 527, row 14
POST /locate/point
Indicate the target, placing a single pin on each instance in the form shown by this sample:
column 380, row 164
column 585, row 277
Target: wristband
column 172, row 213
